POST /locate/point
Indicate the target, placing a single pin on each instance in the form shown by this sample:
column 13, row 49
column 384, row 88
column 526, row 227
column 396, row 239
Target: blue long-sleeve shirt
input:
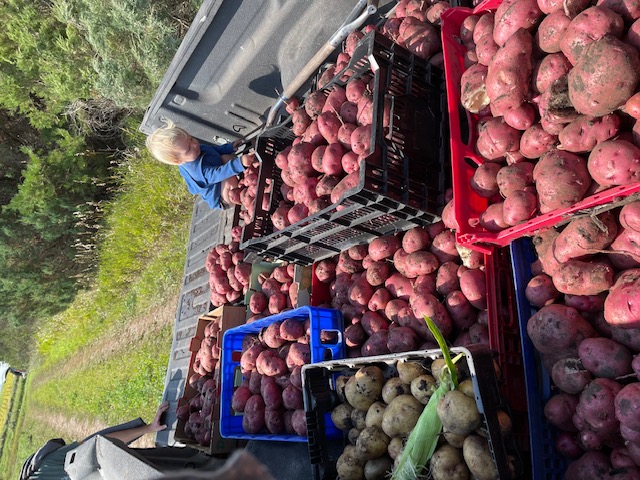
column 204, row 174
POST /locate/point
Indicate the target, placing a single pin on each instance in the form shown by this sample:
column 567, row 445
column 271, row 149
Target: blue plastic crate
column 547, row 463
column 321, row 319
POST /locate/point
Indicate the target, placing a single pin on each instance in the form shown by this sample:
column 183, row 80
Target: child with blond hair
column 208, row 170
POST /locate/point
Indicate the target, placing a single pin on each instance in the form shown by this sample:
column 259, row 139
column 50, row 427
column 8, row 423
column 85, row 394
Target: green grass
column 11, row 423
column 141, row 264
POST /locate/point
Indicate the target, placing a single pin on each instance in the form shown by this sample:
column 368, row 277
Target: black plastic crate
column 404, row 178
column 320, row 398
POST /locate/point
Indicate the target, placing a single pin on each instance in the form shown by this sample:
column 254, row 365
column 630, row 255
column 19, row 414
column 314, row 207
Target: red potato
column 512, row 15
column 535, row 142
column 399, row 286
column 604, row 77
column 299, row 422
column 627, row 406
column 514, row 177
column 291, row 329
column 633, row 35
column 416, row 239
column 326, row 271
column 300, row 123
column 570, row 376
column 347, row 184
column 630, row 216
column 551, row 30
column 299, row 158
column 299, row 354
column 257, row 302
column 587, row 27
column 332, row 159
column 496, row 139
column 473, row 286
column 423, row 40
column 361, row 139
column 350, row 162
column 274, row 421
column 358, row 252
column 326, row 76
column 540, row 291
column 271, row 393
column 585, row 236
column 578, row 277
column 585, row 132
column 443, row 246
column 253, row 418
column 402, row 339
column 561, row 180
column 277, row 303
column 326, row 184
column 360, row 292
column 393, row 307
column 297, row 213
column 400, row 261
column 628, row 9
column 483, row 27
column 605, row 358
column 376, row 344
column 551, row 68
column 373, row 322
column 293, row 104
column 314, row 103
column 348, row 113
column 559, row 409
column 557, row 328
column 328, row 126
column 379, row 300
column 319, row 204
column 305, row 191
column 424, row 284
column 435, row 11
column 586, row 303
column 632, row 106
column 355, row 89
column 519, row 207
column 621, row 307
column 336, row 97
column 384, row 247
column 486, row 49
column 430, row 306
column 316, row 158
column 467, row 27
column 596, row 409
column 365, row 111
column 473, row 90
column 377, row 273
column 484, row 181
column 509, row 73
column 492, row 219
column 460, row 310
column 590, row 466
column 354, row 335
column 614, row 162
column 311, row 135
column 421, row 263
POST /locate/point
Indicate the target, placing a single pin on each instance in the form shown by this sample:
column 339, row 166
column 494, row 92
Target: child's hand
column 249, row 159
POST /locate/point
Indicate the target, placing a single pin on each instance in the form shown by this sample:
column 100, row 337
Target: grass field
column 10, row 415
column 103, row 361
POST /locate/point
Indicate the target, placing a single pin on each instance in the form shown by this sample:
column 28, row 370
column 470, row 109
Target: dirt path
column 71, row 428
column 120, row 339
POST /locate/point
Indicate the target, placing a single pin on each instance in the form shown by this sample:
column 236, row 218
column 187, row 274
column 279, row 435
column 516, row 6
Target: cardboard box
column 228, row 317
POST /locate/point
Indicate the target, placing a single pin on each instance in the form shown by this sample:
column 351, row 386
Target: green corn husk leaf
column 423, row 439
column 442, row 343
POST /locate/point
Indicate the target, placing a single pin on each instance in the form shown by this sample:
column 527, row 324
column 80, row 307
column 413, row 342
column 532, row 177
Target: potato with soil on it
column 350, row 465
column 570, row 376
column 458, row 413
column 373, row 442
column 364, row 388
column 341, row 416
column 604, row 357
column 478, row 458
column 401, row 415
column 447, row 463
column 375, row 414
column 394, row 387
column 378, row 468
column 422, row 387
column 409, row 370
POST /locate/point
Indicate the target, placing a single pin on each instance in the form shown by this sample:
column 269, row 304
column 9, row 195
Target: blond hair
column 161, row 143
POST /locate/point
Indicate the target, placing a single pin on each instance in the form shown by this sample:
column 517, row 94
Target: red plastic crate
column 465, row 159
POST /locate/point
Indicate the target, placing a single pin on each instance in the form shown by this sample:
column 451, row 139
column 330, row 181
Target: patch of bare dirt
column 75, row 429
